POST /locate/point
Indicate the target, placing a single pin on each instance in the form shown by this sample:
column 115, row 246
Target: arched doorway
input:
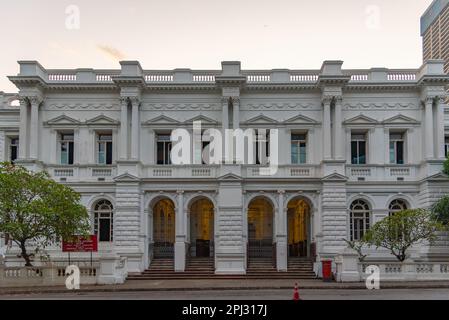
column 260, row 229
column 298, row 222
column 202, row 228
column 164, row 228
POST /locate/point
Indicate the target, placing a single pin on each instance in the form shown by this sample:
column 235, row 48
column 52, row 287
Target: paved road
column 388, row 294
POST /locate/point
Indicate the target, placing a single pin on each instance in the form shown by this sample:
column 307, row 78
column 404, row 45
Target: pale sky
column 199, row 34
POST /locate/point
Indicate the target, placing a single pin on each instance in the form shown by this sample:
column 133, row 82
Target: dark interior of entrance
column 298, row 216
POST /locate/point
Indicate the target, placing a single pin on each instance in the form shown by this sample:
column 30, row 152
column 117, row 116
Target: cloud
column 112, row 52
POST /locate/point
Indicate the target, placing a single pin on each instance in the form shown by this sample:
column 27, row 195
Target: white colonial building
column 354, row 146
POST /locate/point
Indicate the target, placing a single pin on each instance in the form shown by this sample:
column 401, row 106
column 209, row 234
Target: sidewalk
column 195, row 285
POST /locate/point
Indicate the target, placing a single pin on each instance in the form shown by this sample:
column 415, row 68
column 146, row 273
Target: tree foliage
column 441, row 210
column 446, row 167
column 35, row 208
column 402, row 230
column 357, row 246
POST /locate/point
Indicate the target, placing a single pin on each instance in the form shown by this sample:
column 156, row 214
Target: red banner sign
column 81, row 244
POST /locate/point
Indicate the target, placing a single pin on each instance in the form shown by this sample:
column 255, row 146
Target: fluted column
column 135, row 129
column 23, row 134
column 225, row 113
column 281, row 234
column 440, row 128
column 338, row 132
column 180, row 233
column 236, row 113
column 34, row 128
column 124, row 130
column 429, row 142
column 327, row 146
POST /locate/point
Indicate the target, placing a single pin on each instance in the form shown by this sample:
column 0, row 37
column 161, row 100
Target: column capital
column 326, row 99
column 180, row 192
column 338, row 100
column 281, row 192
column 232, row 99
column 428, row 100
column 35, row 100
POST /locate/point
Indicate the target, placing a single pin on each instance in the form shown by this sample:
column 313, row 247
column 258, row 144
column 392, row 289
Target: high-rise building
column 435, row 32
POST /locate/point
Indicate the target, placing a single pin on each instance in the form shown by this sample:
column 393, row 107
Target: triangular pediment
column 162, row 120
column 230, row 177
column 102, row 120
column 63, row 120
column 335, row 177
column 261, row 119
column 361, row 120
column 203, row 119
column 300, row 119
column 438, row 177
column 400, row 119
column 126, row 177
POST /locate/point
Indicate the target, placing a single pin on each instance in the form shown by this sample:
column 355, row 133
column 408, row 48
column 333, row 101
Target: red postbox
column 327, row 270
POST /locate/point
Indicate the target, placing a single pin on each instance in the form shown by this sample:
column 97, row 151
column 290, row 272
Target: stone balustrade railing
column 209, row 76
column 348, row 268
column 103, row 269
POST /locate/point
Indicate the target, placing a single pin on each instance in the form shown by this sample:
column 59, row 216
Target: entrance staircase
column 203, row 269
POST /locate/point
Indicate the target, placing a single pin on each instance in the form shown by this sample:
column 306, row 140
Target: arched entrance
column 164, row 228
column 201, row 214
column 260, row 229
column 298, row 222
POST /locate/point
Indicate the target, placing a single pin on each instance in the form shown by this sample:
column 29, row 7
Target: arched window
column 397, row 206
column 359, row 219
column 103, row 221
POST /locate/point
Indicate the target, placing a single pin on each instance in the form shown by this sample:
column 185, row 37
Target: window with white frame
column 262, row 146
column 397, row 148
column 359, row 219
column 104, row 148
column 446, row 146
column 164, row 146
column 66, row 147
column 13, row 149
column 298, row 148
column 397, row 205
column 103, row 221
column 358, row 148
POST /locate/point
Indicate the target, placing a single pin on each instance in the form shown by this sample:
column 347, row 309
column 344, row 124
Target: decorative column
column 338, row 132
column 135, row 129
column 180, row 234
column 281, row 234
column 236, row 113
column 327, row 146
column 429, row 142
column 225, row 114
column 23, row 134
column 440, row 128
column 34, row 128
column 124, row 130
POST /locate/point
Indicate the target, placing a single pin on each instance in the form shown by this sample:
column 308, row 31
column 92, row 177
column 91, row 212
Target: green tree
column 35, row 208
column 402, row 230
column 440, row 210
column 446, row 167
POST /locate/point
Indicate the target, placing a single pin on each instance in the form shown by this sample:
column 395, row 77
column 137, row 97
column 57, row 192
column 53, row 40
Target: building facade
column 353, row 147
column 435, row 32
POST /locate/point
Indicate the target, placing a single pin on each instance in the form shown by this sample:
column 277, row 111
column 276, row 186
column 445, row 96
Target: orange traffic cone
column 296, row 296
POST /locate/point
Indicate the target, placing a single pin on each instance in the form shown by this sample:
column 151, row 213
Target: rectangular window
column 396, row 148
column 104, row 149
column 446, row 146
column 298, row 148
column 262, row 146
column 164, row 145
column 358, row 148
column 13, row 149
column 66, row 144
